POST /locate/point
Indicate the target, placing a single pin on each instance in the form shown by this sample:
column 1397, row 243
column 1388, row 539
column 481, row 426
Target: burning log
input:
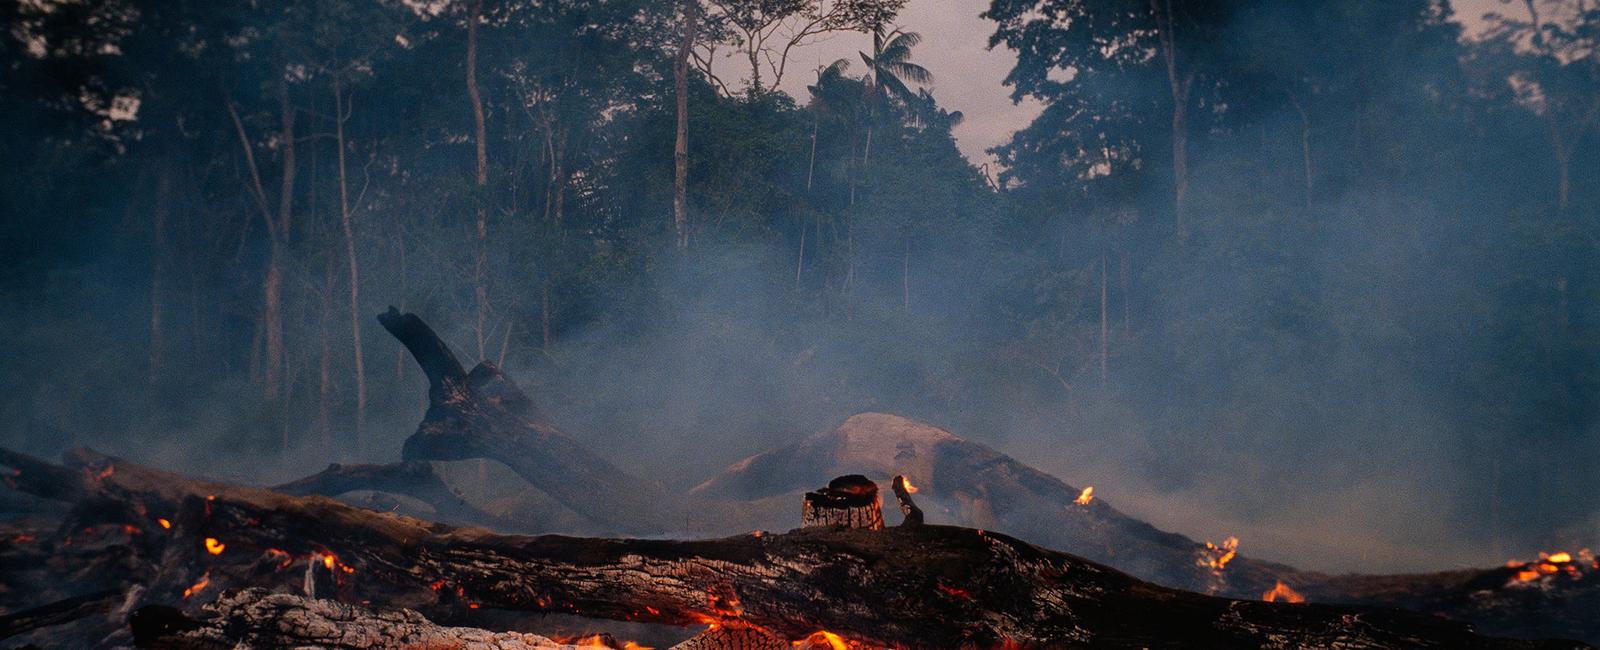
column 851, row 501
column 908, row 508
column 484, row 414
column 727, row 638
column 927, row 586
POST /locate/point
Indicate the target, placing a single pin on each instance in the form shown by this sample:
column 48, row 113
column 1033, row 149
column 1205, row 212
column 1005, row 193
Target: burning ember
column 205, row 579
column 164, row 523
column 215, row 547
column 1552, row 564
column 823, row 639
column 1216, row 556
column 1085, row 496
column 909, row 487
column 1282, row 593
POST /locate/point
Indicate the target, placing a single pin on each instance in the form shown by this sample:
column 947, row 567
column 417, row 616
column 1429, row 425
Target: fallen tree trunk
column 412, row 478
column 483, row 414
column 910, row 586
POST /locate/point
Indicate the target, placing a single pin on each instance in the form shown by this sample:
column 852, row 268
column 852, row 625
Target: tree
column 766, row 31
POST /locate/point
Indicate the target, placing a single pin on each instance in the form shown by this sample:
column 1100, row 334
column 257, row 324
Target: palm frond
column 908, row 71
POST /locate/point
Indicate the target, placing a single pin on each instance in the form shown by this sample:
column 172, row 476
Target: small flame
column 164, row 523
column 1550, row 564
column 1086, row 496
column 214, row 547
column 1282, row 592
column 910, row 489
column 823, row 639
column 1220, row 555
column 329, row 561
column 205, row 579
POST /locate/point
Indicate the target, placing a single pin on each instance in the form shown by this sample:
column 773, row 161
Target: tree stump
column 851, row 501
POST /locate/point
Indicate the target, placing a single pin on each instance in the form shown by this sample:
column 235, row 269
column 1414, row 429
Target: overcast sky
column 967, row 75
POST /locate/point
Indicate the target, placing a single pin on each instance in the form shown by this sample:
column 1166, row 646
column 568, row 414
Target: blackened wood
column 851, row 501
column 908, row 507
column 922, row 586
column 484, row 414
column 415, row 479
column 56, row 613
column 438, row 363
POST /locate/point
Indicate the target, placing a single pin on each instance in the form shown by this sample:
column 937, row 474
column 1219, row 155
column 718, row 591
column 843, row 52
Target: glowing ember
column 823, row 639
column 205, row 579
column 1218, row 556
column 1282, row 593
column 909, row 487
column 214, row 547
column 1085, row 496
column 1549, row 564
column 164, row 523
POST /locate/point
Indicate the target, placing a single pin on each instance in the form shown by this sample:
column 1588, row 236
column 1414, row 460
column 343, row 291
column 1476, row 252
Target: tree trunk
column 272, row 290
column 346, row 221
column 480, row 293
column 325, row 359
column 1563, row 168
column 1305, row 147
column 1105, row 322
column 680, row 148
column 483, row 414
column 1179, row 83
column 905, row 276
column 158, row 247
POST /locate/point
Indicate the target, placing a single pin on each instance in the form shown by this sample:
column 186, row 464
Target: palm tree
column 889, row 68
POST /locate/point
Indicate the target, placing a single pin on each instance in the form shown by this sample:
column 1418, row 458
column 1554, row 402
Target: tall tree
column 480, row 144
column 680, row 148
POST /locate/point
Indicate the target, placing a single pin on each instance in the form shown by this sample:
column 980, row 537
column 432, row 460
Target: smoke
column 1307, row 391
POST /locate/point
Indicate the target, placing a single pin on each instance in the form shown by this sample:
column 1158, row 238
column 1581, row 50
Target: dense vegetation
column 1308, row 247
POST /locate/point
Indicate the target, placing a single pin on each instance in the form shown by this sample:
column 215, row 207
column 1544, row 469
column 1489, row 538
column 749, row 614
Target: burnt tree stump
column 851, row 501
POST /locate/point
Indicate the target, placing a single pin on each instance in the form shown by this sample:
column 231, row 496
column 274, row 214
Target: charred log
column 484, row 414
column 908, row 508
column 851, row 501
column 928, row 586
column 415, row 479
column 57, row 613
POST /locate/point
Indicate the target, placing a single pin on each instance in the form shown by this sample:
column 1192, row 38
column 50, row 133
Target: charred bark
column 484, row 414
column 922, row 586
column 415, row 479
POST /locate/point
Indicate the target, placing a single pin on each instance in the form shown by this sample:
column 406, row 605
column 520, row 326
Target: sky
column 968, row 76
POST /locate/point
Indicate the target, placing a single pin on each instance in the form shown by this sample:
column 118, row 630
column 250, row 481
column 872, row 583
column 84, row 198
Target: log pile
column 908, row 586
column 142, row 538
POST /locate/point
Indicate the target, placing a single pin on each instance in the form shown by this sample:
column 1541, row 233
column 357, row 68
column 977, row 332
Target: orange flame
column 910, row 489
column 164, row 523
column 823, row 639
column 214, row 547
column 1282, row 592
column 1559, row 558
column 205, row 579
column 1221, row 555
column 1085, row 496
